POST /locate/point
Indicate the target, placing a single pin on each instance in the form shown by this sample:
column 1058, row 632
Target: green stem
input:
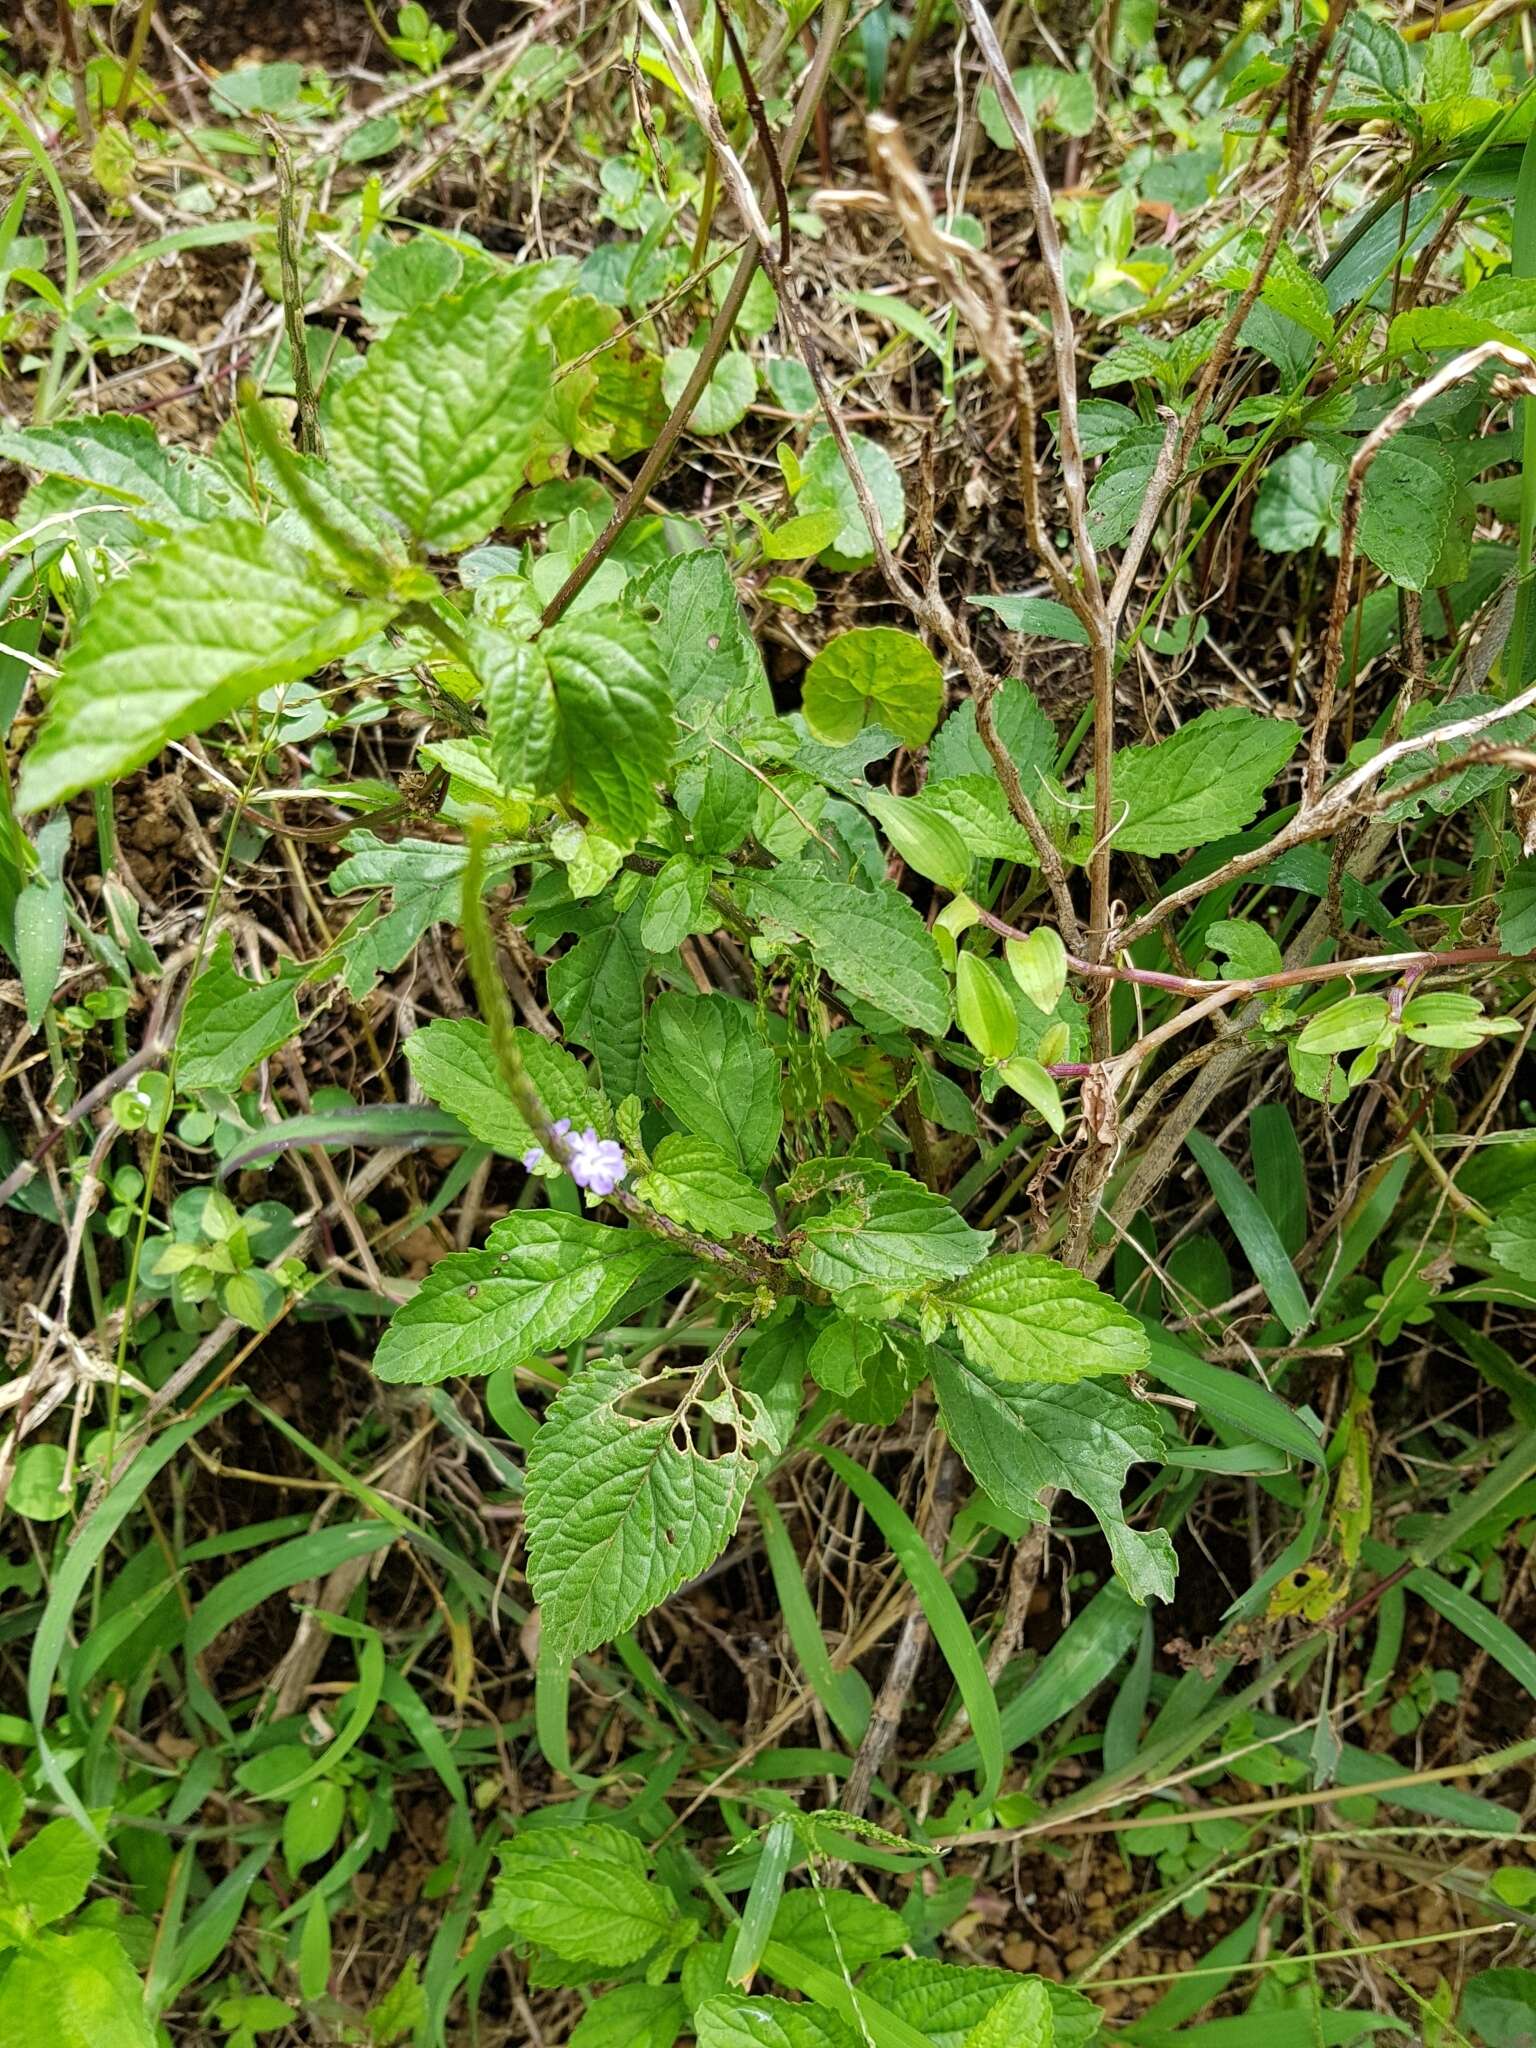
column 1519, row 661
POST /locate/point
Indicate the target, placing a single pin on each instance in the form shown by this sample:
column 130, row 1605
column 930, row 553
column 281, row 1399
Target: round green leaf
column 873, row 675
column 723, row 402
column 826, row 483
column 34, row 1488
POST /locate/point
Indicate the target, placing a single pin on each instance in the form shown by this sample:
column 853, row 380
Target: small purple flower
column 596, row 1163
column 534, row 1157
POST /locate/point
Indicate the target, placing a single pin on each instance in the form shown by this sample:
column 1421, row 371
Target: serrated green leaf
column 75, row 1990
column 1512, row 1235
column 453, row 1061
column 1406, row 504
column 440, row 422
column 50, row 1875
column 544, row 1281
column 1050, row 98
column 1022, row 2018
column 623, row 1506
column 1203, row 781
column 230, row 1024
column 738, row 2020
column 1025, row 731
column 695, row 1183
column 870, row 941
column 1018, row 1441
column 632, row 2016
column 1297, row 504
column 582, row 1892
column 880, row 1229
column 178, row 643
column 597, row 992
column 946, row 2000
column 977, row 809
column 842, row 1929
column 873, row 675
column 1501, row 308
column 115, row 459
column 674, row 905
column 707, row 1059
column 1117, row 493
column 1022, row 1318
column 585, row 710
column 407, row 276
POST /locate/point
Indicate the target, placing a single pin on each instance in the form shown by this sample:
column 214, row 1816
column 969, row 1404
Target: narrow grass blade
column 1076, row 1664
column 757, row 1915
column 951, row 1631
column 1279, row 1174
column 1257, row 1235
column 843, row 1693
column 1242, row 1404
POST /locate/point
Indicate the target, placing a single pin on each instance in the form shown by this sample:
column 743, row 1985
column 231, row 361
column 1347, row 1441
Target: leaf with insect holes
column 438, row 425
column 1021, row 1441
column 1022, row 1318
column 544, row 1281
column 870, row 941
column 581, row 1890
column 1203, row 781
column 182, row 640
column 623, row 1505
column 873, row 675
column 452, row 1059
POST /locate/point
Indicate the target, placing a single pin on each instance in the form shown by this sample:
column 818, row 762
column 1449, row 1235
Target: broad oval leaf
column 1024, row 1318
column 182, row 640
column 440, row 422
column 873, row 675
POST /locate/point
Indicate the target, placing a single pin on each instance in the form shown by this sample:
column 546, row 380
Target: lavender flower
column 596, row 1163
column 535, row 1156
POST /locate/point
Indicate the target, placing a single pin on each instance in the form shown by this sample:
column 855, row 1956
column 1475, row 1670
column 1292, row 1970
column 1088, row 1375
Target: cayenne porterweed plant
column 768, row 1143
